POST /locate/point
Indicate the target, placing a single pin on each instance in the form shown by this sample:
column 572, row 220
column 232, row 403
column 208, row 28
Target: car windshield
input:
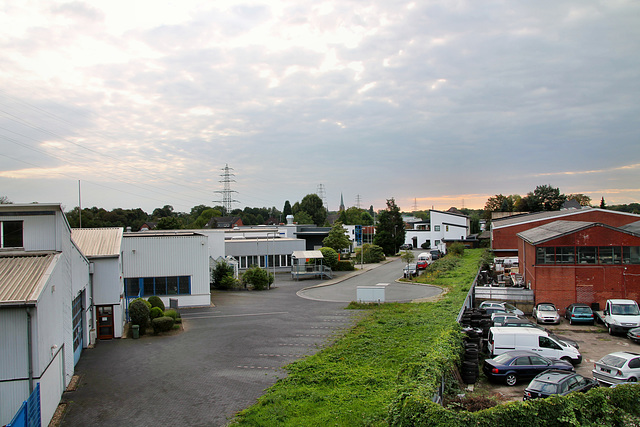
column 546, row 307
column 510, row 307
column 611, row 360
column 625, row 309
column 543, row 387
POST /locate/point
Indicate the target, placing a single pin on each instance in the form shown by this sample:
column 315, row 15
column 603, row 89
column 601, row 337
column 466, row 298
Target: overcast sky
column 435, row 104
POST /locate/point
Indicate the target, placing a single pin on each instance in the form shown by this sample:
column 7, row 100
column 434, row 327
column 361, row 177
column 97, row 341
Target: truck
column 619, row 315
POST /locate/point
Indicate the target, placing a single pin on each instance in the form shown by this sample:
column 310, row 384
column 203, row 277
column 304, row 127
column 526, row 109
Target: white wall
column 108, row 287
column 13, row 361
column 156, row 256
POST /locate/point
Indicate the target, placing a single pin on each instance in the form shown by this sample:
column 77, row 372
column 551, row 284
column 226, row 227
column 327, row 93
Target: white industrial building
column 44, row 306
column 172, row 264
column 442, row 226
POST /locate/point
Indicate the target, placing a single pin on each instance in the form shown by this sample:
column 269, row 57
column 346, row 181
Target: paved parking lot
column 594, row 342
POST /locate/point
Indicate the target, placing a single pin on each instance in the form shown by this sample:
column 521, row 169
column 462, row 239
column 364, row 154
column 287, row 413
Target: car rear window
column 543, row 387
column 582, row 310
column 611, row 360
column 504, row 357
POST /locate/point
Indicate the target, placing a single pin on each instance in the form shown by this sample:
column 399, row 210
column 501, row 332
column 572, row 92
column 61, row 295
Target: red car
column 421, row 264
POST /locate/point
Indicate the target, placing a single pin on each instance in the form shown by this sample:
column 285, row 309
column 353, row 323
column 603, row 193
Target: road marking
column 239, row 315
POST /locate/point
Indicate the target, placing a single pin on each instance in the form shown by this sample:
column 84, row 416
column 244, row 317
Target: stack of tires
column 470, row 369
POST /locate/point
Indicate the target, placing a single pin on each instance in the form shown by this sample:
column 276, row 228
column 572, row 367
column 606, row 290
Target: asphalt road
column 226, row 357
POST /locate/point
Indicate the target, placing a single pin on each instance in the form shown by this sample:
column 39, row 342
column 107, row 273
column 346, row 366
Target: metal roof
column 23, row 275
column 307, row 254
column 536, row 216
column 553, row 230
column 634, row 227
column 98, row 242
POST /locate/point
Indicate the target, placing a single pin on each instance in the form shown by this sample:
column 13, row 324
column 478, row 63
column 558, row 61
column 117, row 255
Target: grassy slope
column 354, row 381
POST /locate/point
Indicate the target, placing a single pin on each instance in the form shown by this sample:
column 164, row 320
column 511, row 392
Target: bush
column 257, row 277
column 172, row 313
column 147, row 303
column 220, row 276
column 456, row 248
column 155, row 301
column 331, row 257
column 139, row 314
column 162, row 324
column 345, row 266
column 155, row 313
column 372, row 254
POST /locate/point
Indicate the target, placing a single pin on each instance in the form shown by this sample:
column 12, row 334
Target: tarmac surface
column 227, row 355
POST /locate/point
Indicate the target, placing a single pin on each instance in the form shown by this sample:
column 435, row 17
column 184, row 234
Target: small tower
column 341, row 203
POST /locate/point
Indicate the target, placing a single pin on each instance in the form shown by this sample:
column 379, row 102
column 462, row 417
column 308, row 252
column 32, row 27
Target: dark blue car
column 512, row 366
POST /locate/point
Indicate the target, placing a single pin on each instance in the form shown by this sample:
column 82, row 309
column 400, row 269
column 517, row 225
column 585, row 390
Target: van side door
column 548, row 347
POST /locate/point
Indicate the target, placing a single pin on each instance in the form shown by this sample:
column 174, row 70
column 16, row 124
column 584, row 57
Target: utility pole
column 227, row 198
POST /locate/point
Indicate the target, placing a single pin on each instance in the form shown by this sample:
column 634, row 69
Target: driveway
column 226, row 357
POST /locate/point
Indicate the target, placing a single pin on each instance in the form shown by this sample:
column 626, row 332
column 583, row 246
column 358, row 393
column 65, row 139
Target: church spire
column 341, row 203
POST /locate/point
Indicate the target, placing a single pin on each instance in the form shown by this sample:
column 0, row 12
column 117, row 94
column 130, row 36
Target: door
column 105, row 322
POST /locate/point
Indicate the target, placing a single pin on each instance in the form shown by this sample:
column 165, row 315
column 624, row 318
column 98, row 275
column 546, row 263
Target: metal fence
column 29, row 413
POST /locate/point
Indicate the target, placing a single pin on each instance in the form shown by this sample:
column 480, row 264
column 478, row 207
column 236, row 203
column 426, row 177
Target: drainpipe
column 29, row 351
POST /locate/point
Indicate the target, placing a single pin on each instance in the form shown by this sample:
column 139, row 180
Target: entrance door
column 105, row 322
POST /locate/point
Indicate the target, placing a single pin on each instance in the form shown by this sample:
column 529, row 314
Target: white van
column 424, row 259
column 503, row 339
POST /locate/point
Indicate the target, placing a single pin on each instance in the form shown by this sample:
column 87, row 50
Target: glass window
column 148, row 287
column 609, row 255
column 183, row 285
column 11, row 234
column 522, row 361
column 587, row 254
column 631, row 255
column 132, row 287
column 436, row 228
column 161, row 285
column 545, row 255
column 172, row 285
column 565, row 255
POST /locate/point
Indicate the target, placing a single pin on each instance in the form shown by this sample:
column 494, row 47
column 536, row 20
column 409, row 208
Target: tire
column 567, row 359
column 511, row 379
column 632, row 380
column 610, row 329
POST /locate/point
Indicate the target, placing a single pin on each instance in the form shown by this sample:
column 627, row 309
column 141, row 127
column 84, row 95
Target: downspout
column 29, row 351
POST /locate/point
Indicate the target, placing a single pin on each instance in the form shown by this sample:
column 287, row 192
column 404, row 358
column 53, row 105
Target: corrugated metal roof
column 634, row 227
column 307, row 254
column 98, row 242
column 536, row 216
column 553, row 230
column 23, row 276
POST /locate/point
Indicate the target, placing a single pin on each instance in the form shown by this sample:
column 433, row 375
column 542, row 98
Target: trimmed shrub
column 228, row 282
column 155, row 313
column 257, row 277
column 155, row 301
column 139, row 314
column 331, row 257
column 344, row 266
column 162, row 324
column 172, row 313
column 147, row 303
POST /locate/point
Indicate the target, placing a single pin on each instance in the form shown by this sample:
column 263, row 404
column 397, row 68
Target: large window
column 602, row 255
column 172, row 285
column 11, row 234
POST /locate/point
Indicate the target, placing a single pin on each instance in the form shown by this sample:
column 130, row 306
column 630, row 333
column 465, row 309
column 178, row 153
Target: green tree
column 603, row 205
column 584, row 200
column 220, row 275
column 407, row 257
column 331, row 257
column 168, row 223
column 287, row 210
column 302, row 218
column 165, row 211
column 370, row 254
column 549, row 198
column 337, row 238
column 390, row 231
column 205, row 216
column 312, row 205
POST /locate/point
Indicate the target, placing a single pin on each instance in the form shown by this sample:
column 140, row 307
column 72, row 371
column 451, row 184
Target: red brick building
column 504, row 239
column 581, row 261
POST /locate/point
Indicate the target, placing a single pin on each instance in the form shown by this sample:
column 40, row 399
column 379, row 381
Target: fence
column 29, row 413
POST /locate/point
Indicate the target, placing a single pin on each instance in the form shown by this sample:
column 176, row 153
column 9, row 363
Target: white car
column 546, row 312
column 503, row 305
column 499, row 319
column 616, row 368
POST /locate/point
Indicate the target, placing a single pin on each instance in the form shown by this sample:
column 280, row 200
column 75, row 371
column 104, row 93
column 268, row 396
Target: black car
column 557, row 382
column 513, row 366
column 406, row 246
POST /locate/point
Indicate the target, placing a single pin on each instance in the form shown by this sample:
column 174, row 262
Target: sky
column 142, row 104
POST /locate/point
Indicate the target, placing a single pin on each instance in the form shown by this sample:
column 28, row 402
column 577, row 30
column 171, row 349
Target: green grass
column 393, row 351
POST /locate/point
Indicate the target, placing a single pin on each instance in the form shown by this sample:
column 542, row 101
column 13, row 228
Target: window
column 11, row 234
column 565, row 255
column 609, row 255
column 436, row 228
column 76, row 313
column 446, row 228
column 631, row 255
column 545, row 255
column 587, row 254
column 172, row 285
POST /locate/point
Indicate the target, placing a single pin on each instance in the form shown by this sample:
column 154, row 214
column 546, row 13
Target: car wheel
column 567, row 359
column 511, row 379
column 610, row 329
column 571, row 321
column 632, row 380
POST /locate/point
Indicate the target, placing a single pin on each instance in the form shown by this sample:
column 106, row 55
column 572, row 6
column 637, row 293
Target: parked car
column 410, row 270
column 499, row 319
column 524, row 323
column 558, row 382
column 512, row 366
column 504, row 305
column 406, row 246
column 579, row 313
column 545, row 312
column 634, row 335
column 618, row 367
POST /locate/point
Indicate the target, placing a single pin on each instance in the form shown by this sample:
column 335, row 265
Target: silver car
column 502, row 305
column 616, row 368
column 546, row 312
